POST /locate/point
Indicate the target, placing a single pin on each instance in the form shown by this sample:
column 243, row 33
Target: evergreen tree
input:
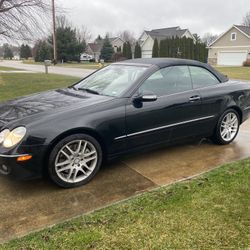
column 25, row 51
column 162, row 50
column 129, row 51
column 42, row 51
column 155, row 52
column 107, row 50
column 7, row 52
column 69, row 47
column 125, row 50
column 137, row 50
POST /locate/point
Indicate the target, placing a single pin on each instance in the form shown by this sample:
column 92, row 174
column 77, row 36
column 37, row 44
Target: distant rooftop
column 166, row 32
column 244, row 29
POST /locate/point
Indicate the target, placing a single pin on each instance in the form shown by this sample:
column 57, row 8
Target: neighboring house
column 147, row 38
column 231, row 48
column 94, row 49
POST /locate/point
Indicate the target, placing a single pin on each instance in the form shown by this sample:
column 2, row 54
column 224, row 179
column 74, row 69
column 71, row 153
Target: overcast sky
column 101, row 16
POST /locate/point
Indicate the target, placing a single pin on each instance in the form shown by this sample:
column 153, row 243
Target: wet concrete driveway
column 28, row 206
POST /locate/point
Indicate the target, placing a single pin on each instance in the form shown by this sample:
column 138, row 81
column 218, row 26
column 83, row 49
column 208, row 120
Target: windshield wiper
column 90, row 91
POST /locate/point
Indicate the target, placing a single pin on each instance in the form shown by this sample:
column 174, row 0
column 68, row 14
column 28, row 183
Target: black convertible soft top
column 165, row 62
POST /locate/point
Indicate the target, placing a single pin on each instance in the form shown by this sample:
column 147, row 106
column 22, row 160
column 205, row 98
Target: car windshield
column 112, row 80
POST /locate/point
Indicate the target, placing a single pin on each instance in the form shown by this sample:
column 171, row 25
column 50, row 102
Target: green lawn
column 18, row 84
column 2, row 68
column 210, row 212
column 236, row 72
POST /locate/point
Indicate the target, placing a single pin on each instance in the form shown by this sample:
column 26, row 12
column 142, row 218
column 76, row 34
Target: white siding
column 147, row 48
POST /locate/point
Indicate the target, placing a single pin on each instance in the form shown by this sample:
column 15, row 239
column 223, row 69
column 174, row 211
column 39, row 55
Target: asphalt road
column 33, row 205
column 52, row 69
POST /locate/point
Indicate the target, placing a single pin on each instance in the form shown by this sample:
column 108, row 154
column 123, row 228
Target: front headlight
column 14, row 137
column 3, row 135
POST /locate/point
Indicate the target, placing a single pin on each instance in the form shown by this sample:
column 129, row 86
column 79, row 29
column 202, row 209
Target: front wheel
column 75, row 160
column 227, row 127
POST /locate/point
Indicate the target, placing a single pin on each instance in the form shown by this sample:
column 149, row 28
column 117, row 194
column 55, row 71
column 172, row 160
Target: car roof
column 166, row 62
column 162, row 62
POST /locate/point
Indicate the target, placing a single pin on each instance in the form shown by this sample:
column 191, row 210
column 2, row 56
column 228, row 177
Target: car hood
column 20, row 108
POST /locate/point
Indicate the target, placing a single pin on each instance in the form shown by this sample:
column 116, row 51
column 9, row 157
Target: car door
column 211, row 93
column 177, row 105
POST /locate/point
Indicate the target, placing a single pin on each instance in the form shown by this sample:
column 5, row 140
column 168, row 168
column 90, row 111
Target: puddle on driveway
column 28, row 206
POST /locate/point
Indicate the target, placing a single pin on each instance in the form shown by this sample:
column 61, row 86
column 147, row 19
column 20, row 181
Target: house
column 94, row 49
column 147, row 38
column 231, row 48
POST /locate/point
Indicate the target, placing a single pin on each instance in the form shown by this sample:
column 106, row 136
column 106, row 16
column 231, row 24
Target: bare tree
column 246, row 19
column 84, row 34
column 208, row 38
column 23, row 19
column 127, row 36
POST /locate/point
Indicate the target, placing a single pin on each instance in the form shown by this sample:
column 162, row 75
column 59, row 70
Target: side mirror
column 146, row 97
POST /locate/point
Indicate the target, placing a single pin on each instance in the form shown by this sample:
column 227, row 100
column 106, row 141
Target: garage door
column 146, row 54
column 231, row 58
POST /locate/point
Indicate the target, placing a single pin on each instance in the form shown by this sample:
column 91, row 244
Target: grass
column 19, row 84
column 2, row 68
column 236, row 72
column 210, row 212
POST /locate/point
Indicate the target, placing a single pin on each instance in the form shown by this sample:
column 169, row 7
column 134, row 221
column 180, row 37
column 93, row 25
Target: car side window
column 202, row 77
column 167, row 81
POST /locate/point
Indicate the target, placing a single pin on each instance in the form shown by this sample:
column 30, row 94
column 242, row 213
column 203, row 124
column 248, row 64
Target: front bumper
column 26, row 170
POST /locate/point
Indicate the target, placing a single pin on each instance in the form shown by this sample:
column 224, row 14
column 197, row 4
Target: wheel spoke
column 90, row 159
column 79, row 147
column 62, row 163
column 84, row 147
column 75, row 174
column 80, row 169
column 65, row 154
column 234, row 119
column 224, row 132
column 64, row 168
column 70, row 150
column 89, row 154
column 70, row 173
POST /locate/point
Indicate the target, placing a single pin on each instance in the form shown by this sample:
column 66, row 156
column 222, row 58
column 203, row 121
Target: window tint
column 202, row 77
column 167, row 81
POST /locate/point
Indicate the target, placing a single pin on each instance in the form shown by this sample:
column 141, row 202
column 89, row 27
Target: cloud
column 101, row 16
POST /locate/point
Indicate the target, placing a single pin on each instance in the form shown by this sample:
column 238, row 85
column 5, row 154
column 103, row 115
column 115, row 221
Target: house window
column 233, row 36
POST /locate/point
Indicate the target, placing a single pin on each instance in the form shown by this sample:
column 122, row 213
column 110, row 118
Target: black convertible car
column 124, row 107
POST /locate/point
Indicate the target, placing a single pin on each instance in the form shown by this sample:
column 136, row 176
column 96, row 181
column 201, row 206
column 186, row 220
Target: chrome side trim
column 12, row 156
column 162, row 127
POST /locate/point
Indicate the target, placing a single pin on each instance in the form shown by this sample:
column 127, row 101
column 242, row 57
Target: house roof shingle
column 166, row 32
column 244, row 29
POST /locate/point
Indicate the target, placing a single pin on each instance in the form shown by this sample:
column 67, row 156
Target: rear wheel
column 227, row 127
column 75, row 160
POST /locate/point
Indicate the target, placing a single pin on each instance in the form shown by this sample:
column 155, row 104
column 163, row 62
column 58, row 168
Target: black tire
column 59, row 146
column 217, row 137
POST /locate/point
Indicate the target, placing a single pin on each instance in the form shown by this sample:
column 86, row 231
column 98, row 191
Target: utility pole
column 54, row 31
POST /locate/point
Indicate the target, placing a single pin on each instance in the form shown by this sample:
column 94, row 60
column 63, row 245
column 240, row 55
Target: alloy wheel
column 229, row 126
column 76, row 161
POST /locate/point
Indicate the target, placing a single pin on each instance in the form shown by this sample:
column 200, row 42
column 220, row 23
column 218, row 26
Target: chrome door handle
column 194, row 98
